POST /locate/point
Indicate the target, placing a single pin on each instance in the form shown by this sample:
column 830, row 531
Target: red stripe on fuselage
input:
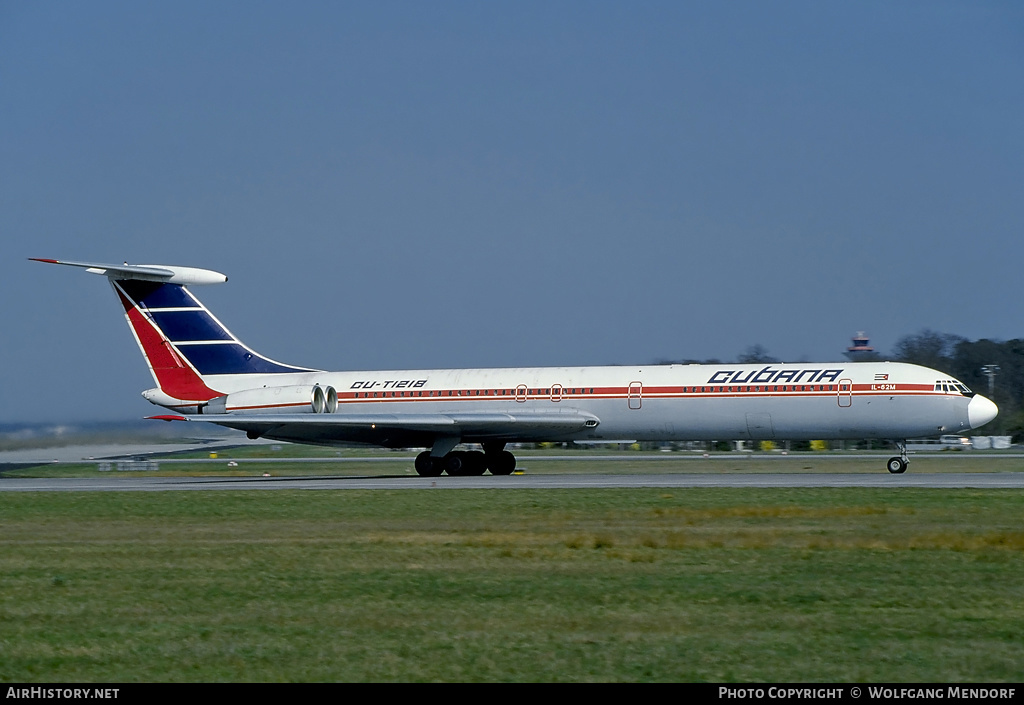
column 707, row 391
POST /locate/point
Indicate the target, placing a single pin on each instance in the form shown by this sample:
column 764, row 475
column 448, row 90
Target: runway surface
column 135, row 483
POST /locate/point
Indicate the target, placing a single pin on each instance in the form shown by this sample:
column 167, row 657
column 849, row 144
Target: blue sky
column 463, row 184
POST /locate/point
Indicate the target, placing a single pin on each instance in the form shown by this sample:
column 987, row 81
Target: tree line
column 990, row 367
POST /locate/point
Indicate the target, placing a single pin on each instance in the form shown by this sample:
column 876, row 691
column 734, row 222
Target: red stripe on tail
column 174, row 377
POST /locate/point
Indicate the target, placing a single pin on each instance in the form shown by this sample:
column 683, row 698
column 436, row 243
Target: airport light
column 990, row 371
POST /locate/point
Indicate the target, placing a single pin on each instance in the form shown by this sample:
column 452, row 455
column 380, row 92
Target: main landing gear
column 898, row 465
column 468, row 463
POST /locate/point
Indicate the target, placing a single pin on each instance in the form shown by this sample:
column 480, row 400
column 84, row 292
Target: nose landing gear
column 898, row 465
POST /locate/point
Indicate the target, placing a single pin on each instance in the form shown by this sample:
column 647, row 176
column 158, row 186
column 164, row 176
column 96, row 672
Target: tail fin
column 187, row 349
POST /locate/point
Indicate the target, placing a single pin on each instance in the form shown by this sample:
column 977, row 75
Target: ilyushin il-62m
column 204, row 373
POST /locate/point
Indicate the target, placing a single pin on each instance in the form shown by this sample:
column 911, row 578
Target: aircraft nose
column 980, row 411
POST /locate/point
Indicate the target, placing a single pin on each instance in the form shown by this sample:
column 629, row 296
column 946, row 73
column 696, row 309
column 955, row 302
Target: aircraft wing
column 403, row 430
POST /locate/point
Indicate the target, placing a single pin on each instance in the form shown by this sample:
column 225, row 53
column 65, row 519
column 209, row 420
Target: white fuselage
column 658, row 402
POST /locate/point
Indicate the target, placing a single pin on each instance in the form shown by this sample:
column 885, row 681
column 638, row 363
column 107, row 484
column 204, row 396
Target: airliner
column 203, row 373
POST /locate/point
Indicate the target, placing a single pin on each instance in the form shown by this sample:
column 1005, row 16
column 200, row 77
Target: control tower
column 861, row 350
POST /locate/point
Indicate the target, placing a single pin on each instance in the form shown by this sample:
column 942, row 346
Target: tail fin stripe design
column 191, row 332
column 229, row 358
column 174, row 378
column 173, row 354
column 189, row 325
column 151, row 295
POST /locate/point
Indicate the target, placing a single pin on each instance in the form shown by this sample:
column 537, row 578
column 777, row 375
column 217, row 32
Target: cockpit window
column 952, row 386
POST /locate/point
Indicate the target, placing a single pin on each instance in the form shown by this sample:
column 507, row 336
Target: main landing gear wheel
column 897, row 466
column 501, row 463
column 499, row 460
column 474, row 463
column 467, row 463
column 427, row 466
column 453, row 464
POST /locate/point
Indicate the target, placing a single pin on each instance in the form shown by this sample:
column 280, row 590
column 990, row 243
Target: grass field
column 514, row 585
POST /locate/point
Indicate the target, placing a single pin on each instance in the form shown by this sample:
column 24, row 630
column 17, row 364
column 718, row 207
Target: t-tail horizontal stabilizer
column 169, row 274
